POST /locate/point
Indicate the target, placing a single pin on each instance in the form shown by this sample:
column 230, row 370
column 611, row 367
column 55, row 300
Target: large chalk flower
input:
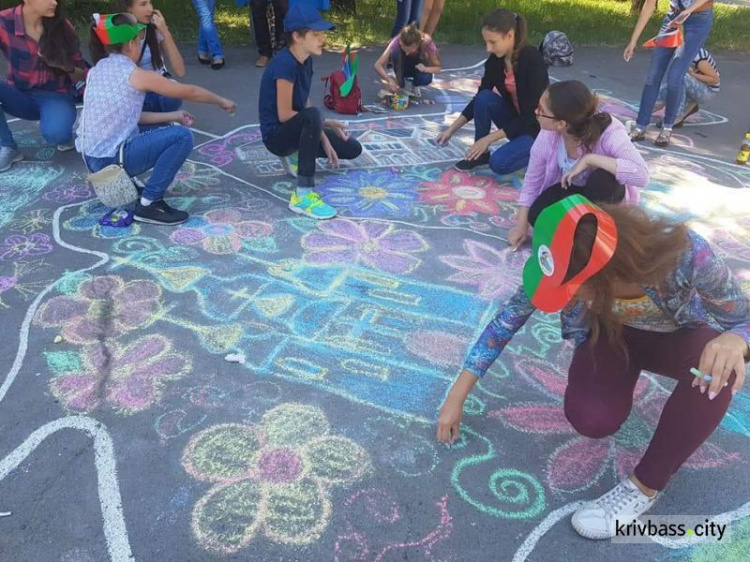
column 273, row 479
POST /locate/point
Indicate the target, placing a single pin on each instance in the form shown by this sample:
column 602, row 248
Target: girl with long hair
column 159, row 51
column 515, row 77
column 414, row 55
column 108, row 130
column 44, row 62
column 579, row 150
column 635, row 293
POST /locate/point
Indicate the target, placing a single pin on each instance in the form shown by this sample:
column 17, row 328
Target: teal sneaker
column 311, row 205
column 291, row 164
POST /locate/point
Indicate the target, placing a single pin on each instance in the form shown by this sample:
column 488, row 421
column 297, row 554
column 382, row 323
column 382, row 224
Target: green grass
column 587, row 22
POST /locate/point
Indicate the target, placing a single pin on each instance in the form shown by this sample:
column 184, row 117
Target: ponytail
column 502, row 21
column 571, row 101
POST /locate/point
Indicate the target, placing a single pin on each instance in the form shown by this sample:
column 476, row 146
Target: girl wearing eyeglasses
column 578, row 150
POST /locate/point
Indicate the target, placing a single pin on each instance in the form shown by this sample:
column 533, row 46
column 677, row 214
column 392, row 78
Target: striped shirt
column 26, row 67
column 704, row 55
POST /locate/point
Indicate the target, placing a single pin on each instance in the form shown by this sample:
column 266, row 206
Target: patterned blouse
column 701, row 291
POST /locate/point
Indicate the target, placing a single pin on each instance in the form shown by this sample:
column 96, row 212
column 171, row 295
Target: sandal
column 204, row 60
column 637, row 134
column 681, row 122
column 662, row 141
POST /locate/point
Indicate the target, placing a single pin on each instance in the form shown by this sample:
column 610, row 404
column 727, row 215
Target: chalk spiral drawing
column 374, row 310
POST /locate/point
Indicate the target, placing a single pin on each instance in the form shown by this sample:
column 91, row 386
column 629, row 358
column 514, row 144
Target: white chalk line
column 23, row 343
column 115, row 530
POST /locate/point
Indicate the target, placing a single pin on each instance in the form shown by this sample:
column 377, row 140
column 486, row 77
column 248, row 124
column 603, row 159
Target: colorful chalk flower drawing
column 369, row 243
column 73, row 190
column 580, row 462
column 221, row 231
column 462, row 193
column 33, row 220
column 18, row 246
column 493, row 272
column 102, row 308
column 193, row 176
column 379, row 193
column 274, row 478
column 128, row 379
column 17, row 282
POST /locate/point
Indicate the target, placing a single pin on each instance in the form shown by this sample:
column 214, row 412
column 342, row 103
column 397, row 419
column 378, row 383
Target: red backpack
column 333, row 100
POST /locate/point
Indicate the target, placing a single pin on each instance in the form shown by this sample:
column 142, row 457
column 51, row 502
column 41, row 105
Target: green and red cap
column 110, row 33
column 552, row 247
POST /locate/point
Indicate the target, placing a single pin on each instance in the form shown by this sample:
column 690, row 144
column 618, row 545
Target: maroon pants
column 600, row 389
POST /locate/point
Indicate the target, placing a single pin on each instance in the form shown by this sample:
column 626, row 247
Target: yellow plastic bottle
column 744, row 154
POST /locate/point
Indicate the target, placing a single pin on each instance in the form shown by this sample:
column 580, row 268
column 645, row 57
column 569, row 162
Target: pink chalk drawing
column 439, row 348
column 494, row 272
column 221, row 231
column 369, row 243
column 195, row 177
column 127, row 378
column 462, row 193
column 17, row 282
column 376, row 509
column 274, row 478
column 19, row 246
column 103, row 308
column 580, row 462
column 221, row 151
column 74, row 190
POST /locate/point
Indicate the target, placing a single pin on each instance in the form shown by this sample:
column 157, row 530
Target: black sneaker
column 159, row 212
column 466, row 165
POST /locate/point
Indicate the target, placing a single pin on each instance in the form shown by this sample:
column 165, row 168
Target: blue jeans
column 208, row 36
column 406, row 67
column 696, row 29
column 489, row 108
column 407, row 11
column 695, row 91
column 55, row 112
column 157, row 103
column 164, row 150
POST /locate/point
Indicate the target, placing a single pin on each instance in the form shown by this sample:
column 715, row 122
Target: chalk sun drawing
column 273, row 479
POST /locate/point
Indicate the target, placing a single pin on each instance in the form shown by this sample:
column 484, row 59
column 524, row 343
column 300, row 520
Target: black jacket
column 531, row 81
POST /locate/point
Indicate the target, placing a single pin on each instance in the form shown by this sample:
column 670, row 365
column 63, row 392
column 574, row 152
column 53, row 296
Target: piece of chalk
column 58, row 339
column 5, row 513
column 235, row 358
column 697, row 373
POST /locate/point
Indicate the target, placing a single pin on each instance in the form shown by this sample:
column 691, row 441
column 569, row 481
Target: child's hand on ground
column 449, row 419
column 330, row 152
column 228, row 105
column 518, row 235
column 443, row 138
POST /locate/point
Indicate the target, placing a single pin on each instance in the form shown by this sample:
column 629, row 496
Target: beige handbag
column 112, row 184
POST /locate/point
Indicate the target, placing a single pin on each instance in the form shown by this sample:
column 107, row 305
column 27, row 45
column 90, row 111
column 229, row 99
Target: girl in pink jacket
column 578, row 150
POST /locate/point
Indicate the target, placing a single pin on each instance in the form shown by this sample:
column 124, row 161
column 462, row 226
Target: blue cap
column 304, row 16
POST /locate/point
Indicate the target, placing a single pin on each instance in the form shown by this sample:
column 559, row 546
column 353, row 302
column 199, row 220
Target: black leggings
column 302, row 134
column 600, row 187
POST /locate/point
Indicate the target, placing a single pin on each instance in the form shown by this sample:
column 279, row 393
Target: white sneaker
column 65, row 147
column 622, row 504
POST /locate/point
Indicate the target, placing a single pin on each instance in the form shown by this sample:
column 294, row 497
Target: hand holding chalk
column 697, row 373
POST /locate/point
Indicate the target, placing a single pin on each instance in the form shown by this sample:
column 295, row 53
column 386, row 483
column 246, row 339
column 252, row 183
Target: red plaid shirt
column 26, row 69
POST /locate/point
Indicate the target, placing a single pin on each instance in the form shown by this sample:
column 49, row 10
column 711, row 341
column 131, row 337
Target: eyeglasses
column 540, row 114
